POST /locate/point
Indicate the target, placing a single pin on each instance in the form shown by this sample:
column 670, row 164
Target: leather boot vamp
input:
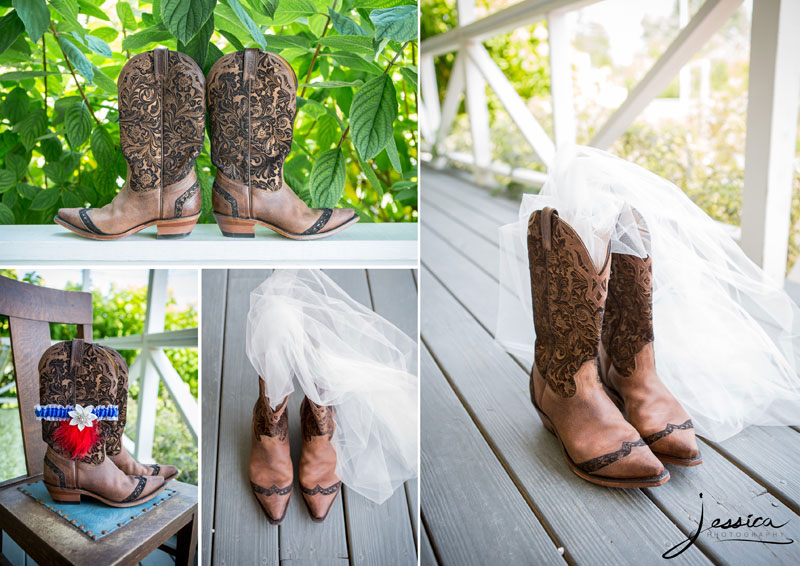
column 112, row 483
column 270, row 462
column 283, row 208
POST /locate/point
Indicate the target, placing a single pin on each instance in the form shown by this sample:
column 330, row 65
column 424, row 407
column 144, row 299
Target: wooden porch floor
column 234, row 530
column 495, row 489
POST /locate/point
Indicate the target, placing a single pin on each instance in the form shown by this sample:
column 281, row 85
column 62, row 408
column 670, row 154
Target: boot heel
column 176, row 228
column 62, row 495
column 236, row 227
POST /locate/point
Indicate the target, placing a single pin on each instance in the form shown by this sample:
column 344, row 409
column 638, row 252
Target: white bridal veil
column 301, row 324
column 727, row 338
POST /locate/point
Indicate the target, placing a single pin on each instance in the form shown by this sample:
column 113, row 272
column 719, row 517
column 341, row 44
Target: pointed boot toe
column 640, row 466
column 71, row 216
column 167, row 472
column 319, row 500
column 677, row 447
column 152, row 485
column 274, row 501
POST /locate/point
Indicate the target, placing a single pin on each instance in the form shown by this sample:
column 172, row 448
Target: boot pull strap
column 161, row 63
column 547, row 225
column 250, row 58
column 75, row 359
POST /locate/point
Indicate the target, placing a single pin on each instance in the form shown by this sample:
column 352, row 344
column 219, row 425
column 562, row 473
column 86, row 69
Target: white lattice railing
column 772, row 111
column 149, row 369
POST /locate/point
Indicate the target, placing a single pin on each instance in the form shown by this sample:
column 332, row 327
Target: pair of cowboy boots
column 162, row 112
column 594, row 343
column 83, row 392
column 270, row 469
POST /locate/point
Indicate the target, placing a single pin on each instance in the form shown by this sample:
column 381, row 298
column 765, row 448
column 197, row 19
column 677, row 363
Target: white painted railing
column 150, row 367
column 773, row 100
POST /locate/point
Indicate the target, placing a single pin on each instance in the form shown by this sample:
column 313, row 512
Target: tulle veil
column 303, row 325
column 727, row 337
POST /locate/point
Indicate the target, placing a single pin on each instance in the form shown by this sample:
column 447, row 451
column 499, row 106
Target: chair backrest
column 30, row 310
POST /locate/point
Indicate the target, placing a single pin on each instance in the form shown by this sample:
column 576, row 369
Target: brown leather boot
column 115, row 451
column 161, row 130
column 628, row 366
column 569, row 295
column 251, row 103
column 318, row 479
column 74, row 376
column 270, row 471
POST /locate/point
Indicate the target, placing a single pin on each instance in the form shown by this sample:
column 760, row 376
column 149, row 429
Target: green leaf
column 184, row 18
column 94, row 44
column 372, row 116
column 232, row 39
column 45, row 199
column 105, row 33
column 125, row 15
column 68, row 10
column 77, row 58
column 269, row 7
column 6, row 216
column 17, row 164
column 290, row 10
column 327, row 131
column 85, row 7
column 398, row 23
column 410, row 75
column 71, row 200
column 78, row 122
column 153, row 34
column 332, row 84
column 32, row 126
column 35, row 15
column 11, row 27
column 22, row 75
column 380, row 3
column 51, row 148
column 350, row 43
column 7, row 180
column 16, row 104
column 197, row 48
column 288, row 42
column 394, row 157
column 344, row 25
column 104, row 81
column 248, row 23
column 355, row 62
column 371, row 176
column 327, row 178
column 27, row 190
column 102, row 147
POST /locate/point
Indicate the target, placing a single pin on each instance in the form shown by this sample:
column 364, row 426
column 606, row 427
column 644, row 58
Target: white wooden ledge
column 362, row 245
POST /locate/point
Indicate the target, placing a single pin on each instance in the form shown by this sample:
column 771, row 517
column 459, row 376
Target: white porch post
column 558, row 36
column 772, row 110
column 477, row 106
column 149, row 378
column 430, row 98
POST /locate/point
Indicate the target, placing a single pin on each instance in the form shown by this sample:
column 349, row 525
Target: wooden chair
column 45, row 537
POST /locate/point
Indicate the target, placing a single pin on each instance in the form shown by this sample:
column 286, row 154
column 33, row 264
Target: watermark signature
column 728, row 531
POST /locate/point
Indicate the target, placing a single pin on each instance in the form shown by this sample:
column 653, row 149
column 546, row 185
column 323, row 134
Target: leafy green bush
column 354, row 140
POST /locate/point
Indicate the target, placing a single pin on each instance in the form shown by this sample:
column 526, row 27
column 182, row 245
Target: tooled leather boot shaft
column 268, row 421
column 568, row 295
column 78, row 373
column 115, row 429
column 161, row 118
column 316, row 420
column 251, row 102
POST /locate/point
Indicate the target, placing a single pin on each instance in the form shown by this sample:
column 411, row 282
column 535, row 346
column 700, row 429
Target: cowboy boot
column 161, row 132
column 114, row 448
column 318, row 480
column 569, row 295
column 251, row 103
column 628, row 367
column 78, row 391
column 271, row 471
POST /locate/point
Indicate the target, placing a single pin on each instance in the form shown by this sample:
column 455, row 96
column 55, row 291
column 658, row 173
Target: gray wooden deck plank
column 771, row 455
column 242, row 533
column 316, row 562
column 426, row 555
column 378, row 534
column 299, row 537
column 495, row 206
column 594, row 524
column 728, row 493
column 214, row 300
column 473, row 510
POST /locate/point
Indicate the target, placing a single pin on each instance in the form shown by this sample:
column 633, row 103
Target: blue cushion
column 92, row 518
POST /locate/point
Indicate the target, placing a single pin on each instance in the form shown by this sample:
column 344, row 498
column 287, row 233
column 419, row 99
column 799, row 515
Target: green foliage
column 60, row 59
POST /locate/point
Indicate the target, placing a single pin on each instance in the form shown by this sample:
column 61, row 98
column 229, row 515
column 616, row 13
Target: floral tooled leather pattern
column 316, row 420
column 591, row 466
column 628, row 322
column 670, row 428
column 140, row 122
column 319, row 490
column 572, row 295
column 161, row 125
column 259, row 112
column 541, row 318
column 94, row 382
column 268, row 422
column 116, row 428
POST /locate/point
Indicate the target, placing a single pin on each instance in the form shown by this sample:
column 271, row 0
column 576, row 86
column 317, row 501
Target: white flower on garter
column 82, row 416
